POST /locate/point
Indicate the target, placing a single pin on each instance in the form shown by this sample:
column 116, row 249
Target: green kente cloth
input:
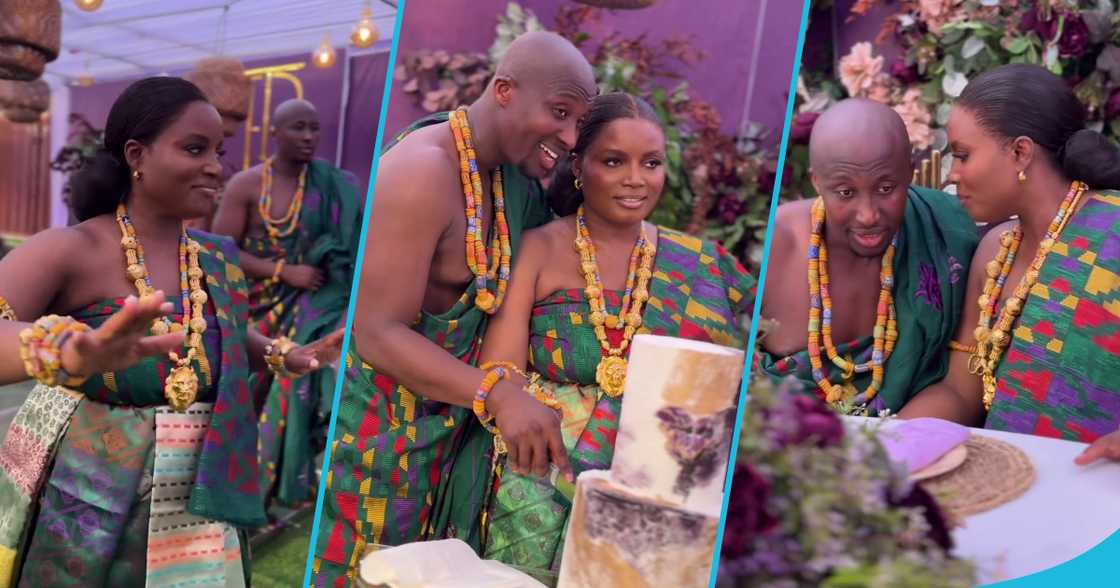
column 86, row 523
column 404, row 468
column 698, row 291
column 296, row 412
column 935, row 247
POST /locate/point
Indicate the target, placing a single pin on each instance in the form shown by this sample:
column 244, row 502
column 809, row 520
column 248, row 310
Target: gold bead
column 1032, row 276
column 1014, row 306
column 587, row 267
column 611, row 321
column 1006, row 238
column 993, row 269
column 999, row 338
column 159, row 327
column 193, row 247
column 198, row 324
column 983, row 301
column 641, row 295
column 195, row 273
column 592, row 292
column 136, row 271
column 634, row 320
column 1046, row 243
column 598, row 318
column 176, row 327
column 644, row 273
column 128, row 242
column 199, row 296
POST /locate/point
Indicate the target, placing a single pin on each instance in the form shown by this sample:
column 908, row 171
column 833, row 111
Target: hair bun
column 98, row 186
column 1092, row 158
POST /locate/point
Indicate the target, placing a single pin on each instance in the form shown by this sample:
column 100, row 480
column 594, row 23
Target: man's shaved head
column 541, row 57
column 296, row 130
column 860, row 163
column 858, row 130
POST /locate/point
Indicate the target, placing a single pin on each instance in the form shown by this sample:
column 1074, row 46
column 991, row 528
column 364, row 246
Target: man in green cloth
column 297, row 220
column 861, row 166
column 410, row 460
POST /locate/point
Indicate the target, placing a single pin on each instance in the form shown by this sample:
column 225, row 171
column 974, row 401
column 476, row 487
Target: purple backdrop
column 726, row 29
column 323, row 87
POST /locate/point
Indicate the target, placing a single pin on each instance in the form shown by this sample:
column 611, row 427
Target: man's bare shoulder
column 245, row 183
column 419, row 171
column 791, row 229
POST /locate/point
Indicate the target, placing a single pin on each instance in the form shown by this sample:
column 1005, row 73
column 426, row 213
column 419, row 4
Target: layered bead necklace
column 497, row 264
column 181, row 386
column 611, row 371
column 820, row 319
column 993, row 340
column 278, row 228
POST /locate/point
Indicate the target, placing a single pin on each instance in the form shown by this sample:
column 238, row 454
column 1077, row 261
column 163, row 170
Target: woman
column 599, row 263
column 134, row 460
column 1036, row 350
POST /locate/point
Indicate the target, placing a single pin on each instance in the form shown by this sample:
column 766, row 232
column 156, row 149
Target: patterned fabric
column 1058, row 377
column 296, row 412
column 698, row 292
column 931, row 275
column 390, row 477
column 91, row 521
column 28, row 448
column 184, row 549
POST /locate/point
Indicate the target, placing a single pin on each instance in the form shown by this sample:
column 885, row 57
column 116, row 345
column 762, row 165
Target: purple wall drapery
column 726, row 29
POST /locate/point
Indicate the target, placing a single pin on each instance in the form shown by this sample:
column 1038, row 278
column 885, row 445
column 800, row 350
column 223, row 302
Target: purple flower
column 1112, row 107
column 1075, row 36
column 747, row 514
column 802, row 127
column 1032, row 22
column 905, row 74
column 729, row 208
column 955, row 268
column 928, row 288
column 919, row 498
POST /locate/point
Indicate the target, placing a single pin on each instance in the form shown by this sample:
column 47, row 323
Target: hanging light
column 324, row 56
column 85, row 80
column 365, row 32
column 88, row 5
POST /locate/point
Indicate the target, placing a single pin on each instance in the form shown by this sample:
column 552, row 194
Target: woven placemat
column 995, row 473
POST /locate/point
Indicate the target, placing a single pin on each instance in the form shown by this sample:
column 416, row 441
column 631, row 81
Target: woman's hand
column 305, row 359
column 531, row 431
column 1107, row 447
column 122, row 340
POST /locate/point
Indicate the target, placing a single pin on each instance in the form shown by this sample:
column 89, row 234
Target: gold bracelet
column 41, row 349
column 276, row 272
column 274, row 355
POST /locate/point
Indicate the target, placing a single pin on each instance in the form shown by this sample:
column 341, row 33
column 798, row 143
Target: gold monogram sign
column 266, row 75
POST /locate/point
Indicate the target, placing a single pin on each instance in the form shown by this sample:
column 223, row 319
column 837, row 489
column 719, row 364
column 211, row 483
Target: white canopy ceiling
column 129, row 38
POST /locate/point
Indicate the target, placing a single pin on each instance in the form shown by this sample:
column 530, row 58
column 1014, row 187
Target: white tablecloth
column 1068, row 510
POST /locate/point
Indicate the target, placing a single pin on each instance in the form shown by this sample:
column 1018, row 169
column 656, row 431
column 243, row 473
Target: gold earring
column 579, row 184
column 1022, row 176
column 136, row 175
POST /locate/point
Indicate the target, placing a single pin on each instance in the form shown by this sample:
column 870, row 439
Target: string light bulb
column 365, row 32
column 88, row 5
column 324, row 56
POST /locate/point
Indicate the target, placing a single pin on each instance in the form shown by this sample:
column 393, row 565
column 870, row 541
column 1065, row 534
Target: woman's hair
column 143, row 111
column 1021, row 100
column 562, row 194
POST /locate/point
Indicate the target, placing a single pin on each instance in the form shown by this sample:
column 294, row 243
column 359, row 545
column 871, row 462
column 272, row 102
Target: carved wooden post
column 30, row 34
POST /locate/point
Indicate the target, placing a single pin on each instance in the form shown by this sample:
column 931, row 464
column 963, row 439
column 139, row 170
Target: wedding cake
column 651, row 519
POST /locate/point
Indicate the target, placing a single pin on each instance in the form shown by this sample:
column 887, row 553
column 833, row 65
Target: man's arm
column 232, row 219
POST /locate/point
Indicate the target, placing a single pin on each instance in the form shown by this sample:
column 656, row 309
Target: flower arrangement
column 717, row 185
column 944, row 43
column 814, row 504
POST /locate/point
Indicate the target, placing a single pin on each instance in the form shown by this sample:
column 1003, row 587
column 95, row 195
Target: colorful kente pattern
column 296, row 412
column 404, row 468
column 91, row 524
column 698, row 291
column 1058, row 377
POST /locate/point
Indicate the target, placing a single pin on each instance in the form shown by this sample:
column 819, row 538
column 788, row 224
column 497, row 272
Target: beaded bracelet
column 276, row 272
column 274, row 355
column 41, row 349
column 490, row 380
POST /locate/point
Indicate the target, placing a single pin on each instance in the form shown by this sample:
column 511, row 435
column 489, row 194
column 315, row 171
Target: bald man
column 299, row 271
column 860, row 166
column 410, row 460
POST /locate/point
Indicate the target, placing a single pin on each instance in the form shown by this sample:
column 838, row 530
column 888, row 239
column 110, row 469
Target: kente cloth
column 698, row 291
column 390, row 479
column 296, row 411
column 931, row 261
column 1058, row 377
column 88, row 477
